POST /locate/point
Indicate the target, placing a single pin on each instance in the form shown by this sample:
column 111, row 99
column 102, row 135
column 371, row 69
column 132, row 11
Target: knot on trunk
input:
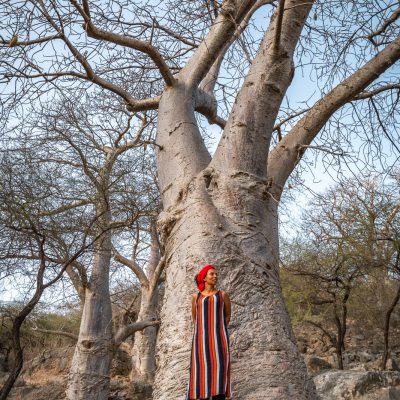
column 165, row 223
column 98, row 346
column 209, row 176
column 251, row 183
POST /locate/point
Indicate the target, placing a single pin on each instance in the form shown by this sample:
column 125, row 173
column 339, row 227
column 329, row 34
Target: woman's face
column 211, row 277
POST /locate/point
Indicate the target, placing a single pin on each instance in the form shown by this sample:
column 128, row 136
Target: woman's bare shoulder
column 224, row 294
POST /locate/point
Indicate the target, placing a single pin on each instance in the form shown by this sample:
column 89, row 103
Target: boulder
column 315, row 364
column 358, row 385
column 391, row 365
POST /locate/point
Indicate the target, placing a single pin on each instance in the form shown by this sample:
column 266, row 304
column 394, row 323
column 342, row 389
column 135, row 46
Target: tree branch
column 65, row 207
column 285, row 156
column 278, row 29
column 53, row 332
column 133, row 266
column 125, row 41
column 385, row 24
column 257, row 104
column 127, row 331
column 366, row 95
column 231, row 15
column 208, row 83
column 156, row 274
column 132, row 104
column 14, row 41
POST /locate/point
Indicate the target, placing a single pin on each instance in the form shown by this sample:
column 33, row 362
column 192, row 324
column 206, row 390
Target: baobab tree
column 78, row 177
column 143, row 350
column 220, row 208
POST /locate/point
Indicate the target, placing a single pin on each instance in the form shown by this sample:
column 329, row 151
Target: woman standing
column 210, row 366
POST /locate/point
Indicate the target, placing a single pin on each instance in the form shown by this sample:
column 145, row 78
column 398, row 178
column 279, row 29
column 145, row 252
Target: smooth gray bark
column 221, row 212
column 89, row 374
column 224, row 211
column 144, row 348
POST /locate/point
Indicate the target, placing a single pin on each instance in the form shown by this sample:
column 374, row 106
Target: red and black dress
column 210, row 366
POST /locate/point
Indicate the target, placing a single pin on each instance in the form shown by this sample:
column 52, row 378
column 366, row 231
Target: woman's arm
column 194, row 308
column 227, row 302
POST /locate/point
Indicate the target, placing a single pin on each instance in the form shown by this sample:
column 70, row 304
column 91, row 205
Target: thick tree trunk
column 89, row 374
column 386, row 329
column 18, row 358
column 230, row 221
column 17, row 324
column 143, row 350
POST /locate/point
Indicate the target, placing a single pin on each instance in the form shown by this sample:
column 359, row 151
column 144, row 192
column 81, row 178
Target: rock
column 51, row 390
column 126, row 390
column 359, row 337
column 121, row 364
column 302, row 347
column 357, row 385
column 365, row 357
column 391, row 365
column 315, row 364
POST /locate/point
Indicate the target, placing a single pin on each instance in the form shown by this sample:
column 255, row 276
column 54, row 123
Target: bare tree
column 221, row 209
column 70, row 143
column 349, row 245
column 24, row 251
column 143, row 351
column 389, row 311
column 331, row 278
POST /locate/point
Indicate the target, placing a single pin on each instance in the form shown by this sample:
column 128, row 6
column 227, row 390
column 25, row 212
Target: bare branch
column 224, row 26
column 208, row 83
column 132, row 104
column 157, row 273
column 278, row 29
column 14, row 41
column 384, row 26
column 54, row 332
column 65, row 207
column 133, row 266
column 288, row 152
column 367, row 95
column 127, row 331
column 132, row 43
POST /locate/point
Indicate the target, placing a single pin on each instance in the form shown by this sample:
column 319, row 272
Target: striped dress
column 210, row 366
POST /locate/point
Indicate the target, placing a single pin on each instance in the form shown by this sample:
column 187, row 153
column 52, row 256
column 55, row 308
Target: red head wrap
column 201, row 275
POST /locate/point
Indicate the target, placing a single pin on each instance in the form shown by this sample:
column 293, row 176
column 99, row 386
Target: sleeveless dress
column 210, row 364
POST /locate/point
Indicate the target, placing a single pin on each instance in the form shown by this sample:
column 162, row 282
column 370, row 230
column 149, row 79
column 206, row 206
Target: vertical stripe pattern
column 210, row 364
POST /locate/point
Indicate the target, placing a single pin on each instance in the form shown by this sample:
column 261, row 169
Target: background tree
column 220, row 209
column 143, row 351
column 329, row 278
column 82, row 156
column 26, row 246
column 347, row 257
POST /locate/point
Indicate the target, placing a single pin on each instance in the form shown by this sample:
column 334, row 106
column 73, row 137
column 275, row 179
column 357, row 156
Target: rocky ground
column 44, row 377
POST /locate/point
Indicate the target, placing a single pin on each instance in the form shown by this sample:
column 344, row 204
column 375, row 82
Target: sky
column 316, row 178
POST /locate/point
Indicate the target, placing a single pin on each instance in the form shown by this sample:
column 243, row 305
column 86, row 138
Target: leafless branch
column 384, row 26
column 278, row 29
column 55, row 332
column 132, row 43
